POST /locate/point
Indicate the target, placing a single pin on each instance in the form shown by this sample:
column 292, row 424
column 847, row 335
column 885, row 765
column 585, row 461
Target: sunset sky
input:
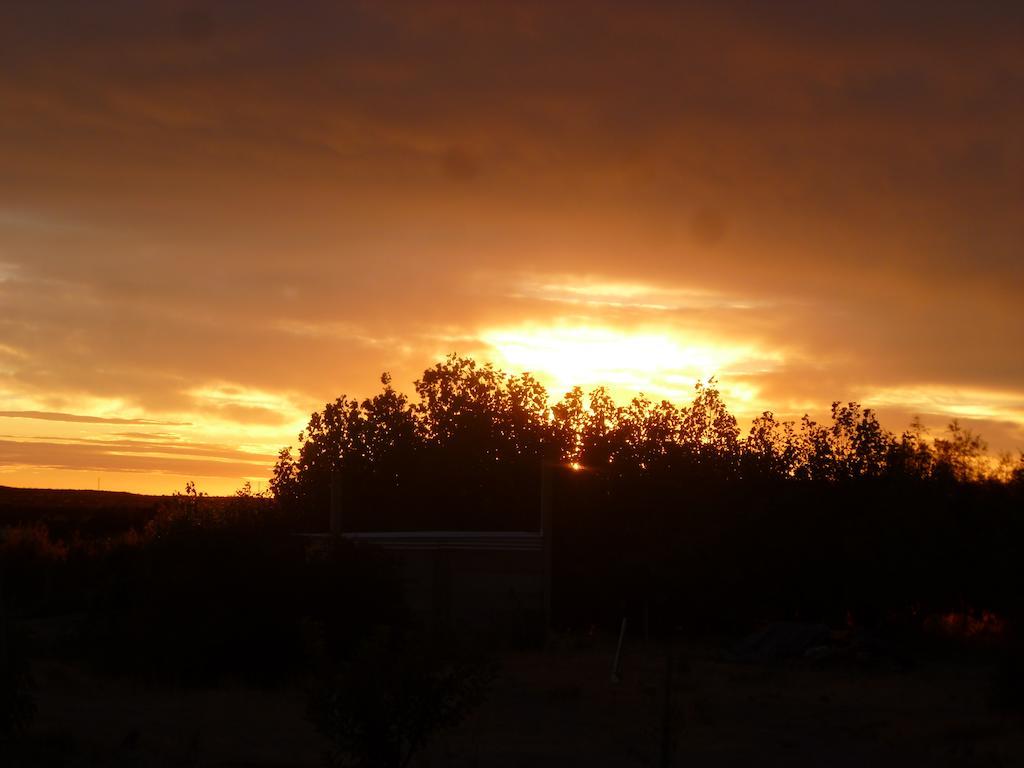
column 214, row 217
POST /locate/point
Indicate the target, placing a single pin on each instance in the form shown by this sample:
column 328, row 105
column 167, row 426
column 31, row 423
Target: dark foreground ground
column 559, row 708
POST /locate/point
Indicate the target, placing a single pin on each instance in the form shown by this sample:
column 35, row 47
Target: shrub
column 216, row 591
column 17, row 707
column 390, row 698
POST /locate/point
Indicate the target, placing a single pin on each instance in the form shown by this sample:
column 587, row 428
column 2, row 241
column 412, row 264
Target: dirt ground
column 559, row 707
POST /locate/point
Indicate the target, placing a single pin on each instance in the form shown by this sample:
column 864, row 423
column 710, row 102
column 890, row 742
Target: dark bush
column 390, row 697
column 206, row 597
column 17, row 706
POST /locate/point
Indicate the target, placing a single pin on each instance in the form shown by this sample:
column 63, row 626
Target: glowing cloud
column 954, row 402
column 654, row 361
column 594, row 292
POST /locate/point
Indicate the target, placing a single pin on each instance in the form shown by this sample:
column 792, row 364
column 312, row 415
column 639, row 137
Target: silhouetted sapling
column 390, row 698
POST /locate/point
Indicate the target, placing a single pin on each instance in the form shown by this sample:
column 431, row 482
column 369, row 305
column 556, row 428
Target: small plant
column 17, row 707
column 390, row 699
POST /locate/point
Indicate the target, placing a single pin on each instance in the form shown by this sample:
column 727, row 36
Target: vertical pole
column 666, row 715
column 647, row 619
column 617, row 662
column 5, row 672
column 335, row 515
column 546, row 535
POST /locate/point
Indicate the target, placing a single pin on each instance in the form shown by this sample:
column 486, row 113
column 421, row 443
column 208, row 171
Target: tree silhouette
column 476, row 434
column 674, row 496
column 960, row 453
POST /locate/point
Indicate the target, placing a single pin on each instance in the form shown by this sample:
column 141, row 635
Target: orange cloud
column 223, row 217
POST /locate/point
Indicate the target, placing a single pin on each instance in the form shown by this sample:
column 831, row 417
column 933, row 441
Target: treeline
column 472, row 425
column 67, row 513
column 662, row 513
column 206, row 590
column 672, row 506
column 203, row 592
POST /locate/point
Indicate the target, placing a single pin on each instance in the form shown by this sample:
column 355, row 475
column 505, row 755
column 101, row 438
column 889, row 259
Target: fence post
column 545, row 531
column 666, row 713
column 335, row 513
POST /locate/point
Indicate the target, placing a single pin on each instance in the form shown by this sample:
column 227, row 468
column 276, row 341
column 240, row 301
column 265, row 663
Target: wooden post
column 335, row 512
column 647, row 619
column 617, row 662
column 666, row 714
column 5, row 671
column 546, row 535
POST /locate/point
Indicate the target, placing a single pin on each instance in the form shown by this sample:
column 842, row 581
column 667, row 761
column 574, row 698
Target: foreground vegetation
column 220, row 592
column 664, row 514
column 671, row 507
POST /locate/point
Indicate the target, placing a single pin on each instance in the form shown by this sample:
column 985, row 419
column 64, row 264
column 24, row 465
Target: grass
column 557, row 707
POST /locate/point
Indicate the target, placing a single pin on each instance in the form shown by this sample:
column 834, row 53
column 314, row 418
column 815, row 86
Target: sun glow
column 656, row 362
